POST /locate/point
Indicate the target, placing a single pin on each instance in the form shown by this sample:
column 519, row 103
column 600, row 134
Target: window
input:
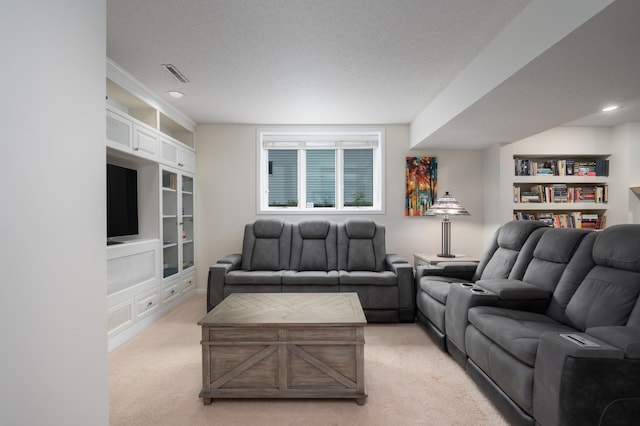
column 320, row 171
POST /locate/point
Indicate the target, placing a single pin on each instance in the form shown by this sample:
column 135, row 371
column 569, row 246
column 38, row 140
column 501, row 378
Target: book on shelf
column 565, row 220
column 561, row 193
column 530, row 197
column 560, row 167
column 169, row 180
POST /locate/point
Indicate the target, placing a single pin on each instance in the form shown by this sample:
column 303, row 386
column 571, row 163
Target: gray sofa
column 561, row 344
column 318, row 256
column 507, row 256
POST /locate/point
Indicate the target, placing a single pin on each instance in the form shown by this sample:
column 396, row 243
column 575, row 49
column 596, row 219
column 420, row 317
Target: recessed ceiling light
column 609, row 108
column 175, row 94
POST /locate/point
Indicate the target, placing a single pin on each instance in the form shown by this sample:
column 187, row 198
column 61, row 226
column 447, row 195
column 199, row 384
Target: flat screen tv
column 122, row 201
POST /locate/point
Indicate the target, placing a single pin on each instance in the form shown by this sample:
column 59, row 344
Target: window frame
column 302, row 139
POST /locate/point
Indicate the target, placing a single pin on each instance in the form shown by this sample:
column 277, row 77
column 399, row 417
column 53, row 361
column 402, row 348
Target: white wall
column 226, row 198
column 566, row 141
column 625, row 141
column 52, row 309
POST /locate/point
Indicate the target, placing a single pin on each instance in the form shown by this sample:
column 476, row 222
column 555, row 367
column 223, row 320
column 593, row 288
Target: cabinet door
column 119, row 317
column 187, row 207
column 187, row 160
column 145, row 142
column 170, row 239
column 119, row 132
column 169, row 152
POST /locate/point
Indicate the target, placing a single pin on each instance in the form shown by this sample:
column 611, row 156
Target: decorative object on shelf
column 446, row 206
column 421, row 186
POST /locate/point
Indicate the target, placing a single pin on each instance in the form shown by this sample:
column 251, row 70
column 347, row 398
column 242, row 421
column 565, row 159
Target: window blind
column 283, row 178
column 358, row 177
column 321, row 178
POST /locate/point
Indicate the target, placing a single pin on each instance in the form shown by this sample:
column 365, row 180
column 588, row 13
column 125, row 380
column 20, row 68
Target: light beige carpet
column 155, row 379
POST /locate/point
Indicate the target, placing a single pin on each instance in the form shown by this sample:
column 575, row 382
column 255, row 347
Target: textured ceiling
column 303, row 61
column 356, row 61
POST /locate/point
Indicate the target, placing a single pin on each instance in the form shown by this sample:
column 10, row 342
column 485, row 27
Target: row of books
column 169, row 180
column 561, row 193
column 540, row 167
column 565, row 220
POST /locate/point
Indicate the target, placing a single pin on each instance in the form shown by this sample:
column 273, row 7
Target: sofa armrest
column 578, row 377
column 626, row 339
column 216, row 279
column 461, row 298
column 392, row 258
column 507, row 289
column 406, row 290
column 234, row 259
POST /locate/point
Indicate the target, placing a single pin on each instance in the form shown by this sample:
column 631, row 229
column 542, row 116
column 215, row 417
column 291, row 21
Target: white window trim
column 310, row 138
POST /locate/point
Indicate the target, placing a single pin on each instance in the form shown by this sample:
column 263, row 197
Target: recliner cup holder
column 466, row 285
column 478, row 290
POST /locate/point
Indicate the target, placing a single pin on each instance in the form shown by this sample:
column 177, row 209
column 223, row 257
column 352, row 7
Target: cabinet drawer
column 189, row 283
column 170, row 291
column 147, row 303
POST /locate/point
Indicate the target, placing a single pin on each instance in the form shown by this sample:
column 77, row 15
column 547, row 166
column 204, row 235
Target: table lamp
column 447, row 206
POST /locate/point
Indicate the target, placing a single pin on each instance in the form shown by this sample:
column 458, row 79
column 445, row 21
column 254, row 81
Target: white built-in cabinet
column 152, row 272
column 177, row 222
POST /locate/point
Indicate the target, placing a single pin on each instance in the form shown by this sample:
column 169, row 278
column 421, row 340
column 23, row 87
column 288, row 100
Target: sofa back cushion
column 552, row 254
column 266, row 245
column 313, row 246
column 574, row 273
column 608, row 295
column 511, row 250
column 361, row 245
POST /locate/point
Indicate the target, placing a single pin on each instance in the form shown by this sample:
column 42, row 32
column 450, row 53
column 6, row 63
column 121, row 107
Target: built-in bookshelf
column 564, row 192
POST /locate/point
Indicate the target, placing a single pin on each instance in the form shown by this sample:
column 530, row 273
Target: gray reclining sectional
column 559, row 344
column 502, row 259
column 318, row 256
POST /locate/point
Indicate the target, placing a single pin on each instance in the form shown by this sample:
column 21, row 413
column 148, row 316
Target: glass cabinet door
column 170, row 223
column 187, row 223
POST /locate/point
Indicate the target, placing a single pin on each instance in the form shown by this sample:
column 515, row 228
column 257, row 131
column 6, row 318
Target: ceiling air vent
column 176, row 73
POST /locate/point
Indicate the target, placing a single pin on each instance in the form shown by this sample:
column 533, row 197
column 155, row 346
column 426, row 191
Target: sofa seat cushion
column 436, row 287
column 516, row 332
column 240, row 277
column 368, row 278
column 311, row 277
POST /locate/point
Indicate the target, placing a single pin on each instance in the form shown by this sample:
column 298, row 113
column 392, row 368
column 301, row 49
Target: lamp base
column 445, row 255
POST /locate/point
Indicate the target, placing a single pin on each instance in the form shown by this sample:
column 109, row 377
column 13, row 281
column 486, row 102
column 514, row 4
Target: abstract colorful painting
column 422, row 185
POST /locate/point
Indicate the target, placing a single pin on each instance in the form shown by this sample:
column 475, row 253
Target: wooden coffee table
column 284, row 345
